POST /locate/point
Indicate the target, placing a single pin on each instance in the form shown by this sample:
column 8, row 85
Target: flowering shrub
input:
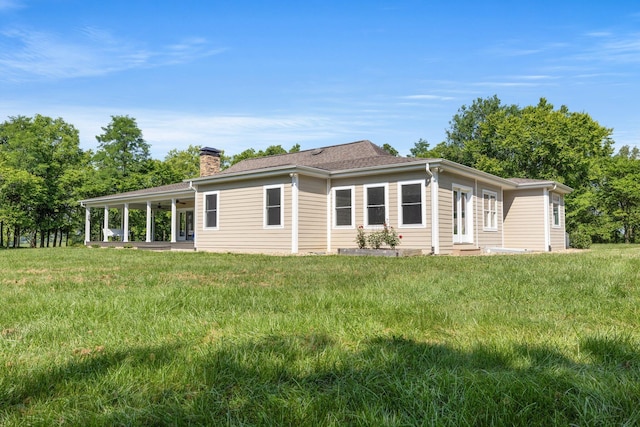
column 376, row 239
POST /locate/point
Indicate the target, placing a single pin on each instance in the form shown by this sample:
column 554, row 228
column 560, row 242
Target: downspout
column 329, row 220
column 435, row 219
column 195, row 215
column 476, row 217
column 294, row 212
column 547, row 227
column 501, row 219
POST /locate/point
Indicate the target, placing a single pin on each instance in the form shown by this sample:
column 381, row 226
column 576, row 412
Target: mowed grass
column 126, row 337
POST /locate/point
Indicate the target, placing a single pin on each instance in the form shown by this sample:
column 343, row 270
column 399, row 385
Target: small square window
column 411, row 203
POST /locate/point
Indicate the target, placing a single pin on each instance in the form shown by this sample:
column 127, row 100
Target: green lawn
column 126, row 337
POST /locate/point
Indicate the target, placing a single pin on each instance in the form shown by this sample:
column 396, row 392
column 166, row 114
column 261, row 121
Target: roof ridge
column 311, row 149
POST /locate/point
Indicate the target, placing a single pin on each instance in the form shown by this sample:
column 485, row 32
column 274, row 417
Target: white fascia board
column 469, row 172
column 115, row 199
column 443, row 165
column 377, row 170
column 549, row 185
column 266, row 173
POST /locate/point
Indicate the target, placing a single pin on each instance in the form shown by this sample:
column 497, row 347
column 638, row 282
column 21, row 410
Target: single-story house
column 313, row 201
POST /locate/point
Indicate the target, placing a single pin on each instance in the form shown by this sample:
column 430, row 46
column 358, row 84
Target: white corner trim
column 294, row 212
column 547, row 225
column 435, row 212
column 329, row 220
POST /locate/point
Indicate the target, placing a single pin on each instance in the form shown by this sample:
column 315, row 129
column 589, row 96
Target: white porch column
column 173, row 220
column 87, row 225
column 125, row 228
column 106, row 224
column 148, row 238
column 294, row 213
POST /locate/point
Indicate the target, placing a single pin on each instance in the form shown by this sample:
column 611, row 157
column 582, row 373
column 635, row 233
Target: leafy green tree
column 271, row 150
column 389, row 149
column 122, row 156
column 537, row 142
column 542, row 143
column 420, row 149
column 184, row 164
column 620, row 192
column 41, row 156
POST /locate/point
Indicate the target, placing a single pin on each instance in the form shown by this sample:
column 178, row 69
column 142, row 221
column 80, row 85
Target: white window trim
column 555, row 199
column 353, row 207
column 495, row 196
column 470, row 214
column 423, row 206
column 365, row 197
column 204, row 210
column 265, row 216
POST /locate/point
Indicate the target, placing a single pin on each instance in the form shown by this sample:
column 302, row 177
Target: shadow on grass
column 311, row 380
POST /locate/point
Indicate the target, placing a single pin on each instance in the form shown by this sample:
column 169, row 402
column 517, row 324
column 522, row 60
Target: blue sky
column 239, row 74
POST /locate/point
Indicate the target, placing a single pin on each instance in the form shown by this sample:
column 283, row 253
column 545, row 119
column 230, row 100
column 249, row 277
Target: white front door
column 462, row 214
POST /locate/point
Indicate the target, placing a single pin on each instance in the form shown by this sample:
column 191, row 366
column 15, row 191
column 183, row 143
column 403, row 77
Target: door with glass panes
column 462, row 211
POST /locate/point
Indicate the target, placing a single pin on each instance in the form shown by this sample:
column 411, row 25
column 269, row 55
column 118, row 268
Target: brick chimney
column 209, row 161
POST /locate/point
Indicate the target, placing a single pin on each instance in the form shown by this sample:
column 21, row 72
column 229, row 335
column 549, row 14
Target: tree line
column 542, row 142
column 44, row 172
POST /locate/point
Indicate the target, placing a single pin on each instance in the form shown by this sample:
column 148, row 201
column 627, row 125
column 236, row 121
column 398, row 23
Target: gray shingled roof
column 358, row 154
column 177, row 187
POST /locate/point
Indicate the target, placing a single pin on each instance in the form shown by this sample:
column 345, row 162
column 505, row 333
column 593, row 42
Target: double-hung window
column 211, row 209
column 273, row 211
column 343, row 200
column 490, row 210
column 555, row 200
column 375, row 204
column 411, row 207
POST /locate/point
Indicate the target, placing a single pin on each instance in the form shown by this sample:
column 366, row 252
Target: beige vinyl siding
column 488, row 238
column 557, row 239
column 481, row 238
column 446, row 210
column 241, row 219
column 312, row 214
column 412, row 238
column 523, row 223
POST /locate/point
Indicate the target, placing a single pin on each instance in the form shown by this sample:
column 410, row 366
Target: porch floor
column 151, row 246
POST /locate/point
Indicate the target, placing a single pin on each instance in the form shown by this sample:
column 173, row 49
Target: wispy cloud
column 169, row 129
column 10, row 4
column 236, row 133
column 429, row 97
column 28, row 54
column 617, row 49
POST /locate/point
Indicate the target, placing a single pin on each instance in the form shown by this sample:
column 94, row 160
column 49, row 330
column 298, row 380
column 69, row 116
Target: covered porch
column 151, row 209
